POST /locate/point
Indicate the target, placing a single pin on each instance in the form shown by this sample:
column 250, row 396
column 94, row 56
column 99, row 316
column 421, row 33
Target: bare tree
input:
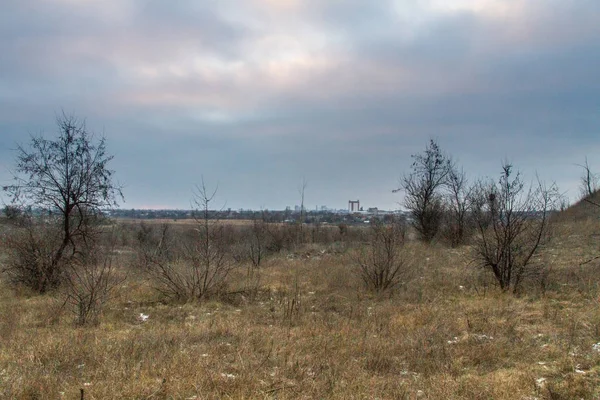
column 255, row 241
column 69, row 178
column 512, row 223
column 382, row 264
column 422, row 186
column 588, row 182
column 301, row 191
column 252, row 249
column 458, row 194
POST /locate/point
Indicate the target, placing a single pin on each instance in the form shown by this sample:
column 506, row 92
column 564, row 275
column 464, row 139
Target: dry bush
column 91, row 281
column 193, row 266
column 31, row 256
column 185, row 269
column 282, row 237
column 382, row 263
column 253, row 243
column 513, row 226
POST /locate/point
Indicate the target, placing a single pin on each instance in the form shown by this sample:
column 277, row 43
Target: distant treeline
column 280, row 216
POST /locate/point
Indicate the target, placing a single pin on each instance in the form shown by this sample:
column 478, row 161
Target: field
column 312, row 331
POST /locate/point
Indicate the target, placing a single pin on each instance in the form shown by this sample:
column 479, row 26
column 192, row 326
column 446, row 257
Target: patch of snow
column 483, row 337
column 540, row 382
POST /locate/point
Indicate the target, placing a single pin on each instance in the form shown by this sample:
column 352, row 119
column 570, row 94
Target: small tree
column 382, row 264
column 70, row 179
column 301, row 218
column 588, row 181
column 512, row 224
column 252, row 250
column 422, row 190
column 458, row 194
column 255, row 241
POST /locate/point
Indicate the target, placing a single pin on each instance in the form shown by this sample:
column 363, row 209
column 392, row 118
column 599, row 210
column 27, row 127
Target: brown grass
column 312, row 332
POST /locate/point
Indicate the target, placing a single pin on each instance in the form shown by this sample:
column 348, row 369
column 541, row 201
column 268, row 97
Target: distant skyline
column 257, row 95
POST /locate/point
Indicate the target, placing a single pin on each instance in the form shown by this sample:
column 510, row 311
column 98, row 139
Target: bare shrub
column 255, row 242
column 251, row 250
column 512, row 223
column 382, row 265
column 281, row 237
column 195, row 267
column 90, row 283
column 31, row 251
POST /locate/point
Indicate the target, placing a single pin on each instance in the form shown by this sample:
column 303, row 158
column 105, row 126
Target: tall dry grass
column 312, row 331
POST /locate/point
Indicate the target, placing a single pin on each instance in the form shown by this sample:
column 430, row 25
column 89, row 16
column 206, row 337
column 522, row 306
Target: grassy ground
column 312, row 332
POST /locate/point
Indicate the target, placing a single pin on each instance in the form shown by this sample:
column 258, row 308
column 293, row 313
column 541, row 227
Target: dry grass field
column 313, row 332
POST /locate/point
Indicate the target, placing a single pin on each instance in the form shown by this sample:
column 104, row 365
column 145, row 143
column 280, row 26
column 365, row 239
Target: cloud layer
column 258, row 94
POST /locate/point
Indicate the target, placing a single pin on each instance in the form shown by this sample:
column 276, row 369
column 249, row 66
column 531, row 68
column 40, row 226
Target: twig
column 589, row 261
column 276, row 389
column 591, row 202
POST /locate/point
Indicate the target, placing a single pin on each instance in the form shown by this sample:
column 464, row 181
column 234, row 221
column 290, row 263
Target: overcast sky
column 256, row 95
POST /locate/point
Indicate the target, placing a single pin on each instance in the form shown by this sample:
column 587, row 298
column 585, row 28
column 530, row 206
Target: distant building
column 353, row 205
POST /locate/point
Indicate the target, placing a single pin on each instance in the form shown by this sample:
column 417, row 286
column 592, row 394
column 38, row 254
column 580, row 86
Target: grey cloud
column 348, row 126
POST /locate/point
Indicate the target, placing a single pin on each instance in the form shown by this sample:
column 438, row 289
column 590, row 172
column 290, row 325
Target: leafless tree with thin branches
column 69, row 178
column 422, row 187
column 458, row 195
column 588, row 183
column 513, row 225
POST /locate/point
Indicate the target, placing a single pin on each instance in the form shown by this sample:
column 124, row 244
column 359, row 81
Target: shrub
column 31, row 251
column 382, row 264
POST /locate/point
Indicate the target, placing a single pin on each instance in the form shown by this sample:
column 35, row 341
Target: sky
column 257, row 96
